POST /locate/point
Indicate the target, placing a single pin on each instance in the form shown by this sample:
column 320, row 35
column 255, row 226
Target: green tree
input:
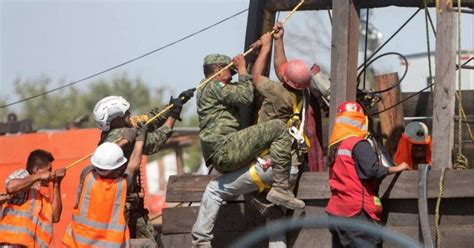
column 55, row 110
column 3, row 111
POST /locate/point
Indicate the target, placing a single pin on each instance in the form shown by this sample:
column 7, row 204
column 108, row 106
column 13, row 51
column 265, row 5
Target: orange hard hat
column 295, row 74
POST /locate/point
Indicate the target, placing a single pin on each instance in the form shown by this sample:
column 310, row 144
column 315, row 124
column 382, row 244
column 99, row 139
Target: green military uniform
column 135, row 212
column 225, row 146
column 277, row 104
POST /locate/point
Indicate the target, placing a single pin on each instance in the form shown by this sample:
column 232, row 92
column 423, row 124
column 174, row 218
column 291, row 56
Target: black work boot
column 280, row 193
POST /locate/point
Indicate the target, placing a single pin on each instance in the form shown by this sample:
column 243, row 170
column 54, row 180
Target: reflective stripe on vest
column 38, row 230
column 95, row 243
column 351, row 122
column 98, row 220
column 20, row 229
column 113, row 225
column 344, row 152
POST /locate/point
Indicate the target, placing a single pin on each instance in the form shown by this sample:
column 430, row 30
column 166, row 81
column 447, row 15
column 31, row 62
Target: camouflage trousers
column 139, row 225
column 241, row 147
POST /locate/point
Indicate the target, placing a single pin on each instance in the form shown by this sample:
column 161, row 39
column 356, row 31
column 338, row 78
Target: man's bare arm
column 259, row 66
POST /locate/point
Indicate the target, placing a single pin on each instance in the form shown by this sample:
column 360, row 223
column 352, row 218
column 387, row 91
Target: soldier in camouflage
column 112, row 116
column 225, row 146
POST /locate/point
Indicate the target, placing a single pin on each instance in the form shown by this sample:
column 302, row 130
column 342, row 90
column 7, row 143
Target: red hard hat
column 350, row 106
column 295, row 74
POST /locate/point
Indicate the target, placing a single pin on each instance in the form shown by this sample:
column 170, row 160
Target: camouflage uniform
column 135, row 212
column 218, row 108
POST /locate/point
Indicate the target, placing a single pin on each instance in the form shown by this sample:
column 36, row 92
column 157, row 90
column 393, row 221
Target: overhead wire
column 391, row 37
column 363, row 66
column 365, row 46
column 380, row 56
column 413, row 95
column 126, row 62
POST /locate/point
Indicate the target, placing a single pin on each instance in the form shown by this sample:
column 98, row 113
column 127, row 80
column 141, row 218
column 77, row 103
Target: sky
column 68, row 40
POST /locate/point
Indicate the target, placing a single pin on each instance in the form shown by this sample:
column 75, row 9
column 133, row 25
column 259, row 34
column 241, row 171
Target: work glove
column 175, row 111
column 186, row 95
column 141, row 131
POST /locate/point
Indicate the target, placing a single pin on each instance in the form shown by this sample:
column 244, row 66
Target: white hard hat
column 107, row 109
column 108, row 156
column 417, row 131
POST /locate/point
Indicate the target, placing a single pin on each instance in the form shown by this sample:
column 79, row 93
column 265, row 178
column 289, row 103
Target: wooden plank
column 396, row 213
column 221, row 239
column 231, row 217
column 451, row 236
column 443, row 106
column 344, row 51
column 391, row 121
column 314, row 185
column 286, row 5
column 422, row 104
column 186, row 187
column 404, row 212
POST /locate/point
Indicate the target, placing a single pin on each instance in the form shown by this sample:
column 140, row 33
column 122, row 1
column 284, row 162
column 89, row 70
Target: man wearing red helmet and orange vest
column 354, row 177
column 28, row 216
column 98, row 217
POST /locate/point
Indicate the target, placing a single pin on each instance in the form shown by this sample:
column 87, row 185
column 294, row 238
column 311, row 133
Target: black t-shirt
column 367, row 165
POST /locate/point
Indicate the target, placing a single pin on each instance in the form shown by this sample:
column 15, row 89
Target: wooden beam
column 287, row 5
column 391, row 121
column 314, row 186
column 259, row 21
column 451, row 236
column 445, row 78
column 422, row 104
column 232, row 217
column 179, row 160
column 344, row 50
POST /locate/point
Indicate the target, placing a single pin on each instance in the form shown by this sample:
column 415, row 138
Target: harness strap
column 256, row 179
column 82, row 177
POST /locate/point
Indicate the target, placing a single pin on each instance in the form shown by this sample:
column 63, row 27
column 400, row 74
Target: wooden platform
column 398, row 193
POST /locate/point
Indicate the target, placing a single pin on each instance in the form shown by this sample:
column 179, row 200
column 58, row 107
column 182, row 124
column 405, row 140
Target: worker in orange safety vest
column 28, row 215
column 98, row 218
column 414, row 147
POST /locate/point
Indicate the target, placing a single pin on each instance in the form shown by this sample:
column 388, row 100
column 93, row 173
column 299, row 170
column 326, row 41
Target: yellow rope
column 461, row 161
column 85, row 157
column 464, row 117
column 438, row 204
column 207, row 80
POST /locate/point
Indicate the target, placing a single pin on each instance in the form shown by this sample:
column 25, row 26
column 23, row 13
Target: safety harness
column 296, row 130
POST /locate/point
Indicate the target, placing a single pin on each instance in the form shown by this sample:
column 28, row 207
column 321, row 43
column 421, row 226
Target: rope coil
column 438, row 204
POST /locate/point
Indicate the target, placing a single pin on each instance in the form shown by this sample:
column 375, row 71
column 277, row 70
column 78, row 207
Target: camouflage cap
column 216, row 59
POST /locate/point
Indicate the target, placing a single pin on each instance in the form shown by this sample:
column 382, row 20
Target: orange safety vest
column 99, row 220
column 29, row 224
